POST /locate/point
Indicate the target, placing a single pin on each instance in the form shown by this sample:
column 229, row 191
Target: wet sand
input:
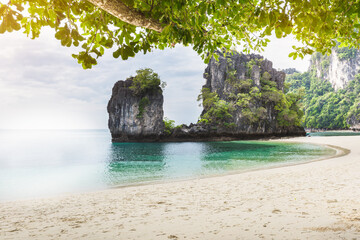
column 316, row 200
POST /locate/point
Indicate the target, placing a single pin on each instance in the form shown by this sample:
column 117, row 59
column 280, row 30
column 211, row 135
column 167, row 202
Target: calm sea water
column 334, row 133
column 47, row 163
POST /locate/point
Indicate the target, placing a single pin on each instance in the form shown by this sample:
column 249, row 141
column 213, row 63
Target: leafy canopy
column 205, row 25
column 146, row 80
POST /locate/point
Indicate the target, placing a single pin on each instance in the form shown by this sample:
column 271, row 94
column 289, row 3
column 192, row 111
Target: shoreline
column 317, row 200
column 339, row 153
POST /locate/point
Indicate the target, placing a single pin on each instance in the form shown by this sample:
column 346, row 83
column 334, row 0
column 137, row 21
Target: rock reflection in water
column 135, row 162
column 139, row 162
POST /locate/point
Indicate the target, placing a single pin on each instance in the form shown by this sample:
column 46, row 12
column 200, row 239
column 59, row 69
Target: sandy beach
column 316, row 200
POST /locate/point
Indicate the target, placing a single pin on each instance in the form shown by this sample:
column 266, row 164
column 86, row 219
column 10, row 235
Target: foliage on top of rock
column 146, row 80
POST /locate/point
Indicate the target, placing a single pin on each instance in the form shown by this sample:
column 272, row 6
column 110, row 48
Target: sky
column 43, row 87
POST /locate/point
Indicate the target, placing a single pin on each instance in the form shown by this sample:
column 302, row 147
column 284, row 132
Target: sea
column 45, row 163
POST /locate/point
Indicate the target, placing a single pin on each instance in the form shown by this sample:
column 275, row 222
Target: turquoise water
column 47, row 163
column 334, row 133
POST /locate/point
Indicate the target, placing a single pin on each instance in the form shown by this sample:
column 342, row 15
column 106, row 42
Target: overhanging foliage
column 128, row 27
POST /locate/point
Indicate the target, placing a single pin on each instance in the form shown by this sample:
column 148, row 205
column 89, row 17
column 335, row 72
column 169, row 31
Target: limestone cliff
column 135, row 117
column 339, row 68
column 243, row 82
column 243, row 98
column 342, row 70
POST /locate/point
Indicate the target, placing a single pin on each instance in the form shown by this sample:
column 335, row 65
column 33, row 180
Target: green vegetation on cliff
column 252, row 101
column 145, row 81
column 323, row 106
column 142, row 104
column 218, row 111
column 345, row 53
column 169, row 125
column 323, row 61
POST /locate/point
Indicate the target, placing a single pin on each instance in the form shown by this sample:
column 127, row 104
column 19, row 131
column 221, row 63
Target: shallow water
column 334, row 133
column 47, row 163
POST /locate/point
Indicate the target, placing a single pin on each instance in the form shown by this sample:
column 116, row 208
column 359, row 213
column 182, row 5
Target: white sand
column 317, row 200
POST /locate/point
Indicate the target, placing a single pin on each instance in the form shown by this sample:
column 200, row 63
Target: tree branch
column 121, row 11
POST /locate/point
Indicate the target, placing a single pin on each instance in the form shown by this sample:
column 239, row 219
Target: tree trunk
column 126, row 14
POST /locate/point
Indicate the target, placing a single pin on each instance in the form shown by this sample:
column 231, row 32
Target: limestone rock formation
column 128, row 120
column 342, row 70
column 235, row 78
column 246, row 91
column 339, row 68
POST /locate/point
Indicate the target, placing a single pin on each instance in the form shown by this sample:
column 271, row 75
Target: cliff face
column 243, row 98
column 135, row 117
column 245, row 66
column 243, row 82
column 342, row 70
column 339, row 68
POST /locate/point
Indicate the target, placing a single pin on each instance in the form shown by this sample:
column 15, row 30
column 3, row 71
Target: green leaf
column 2, row 9
column 109, row 43
column 117, row 53
column 278, row 32
column 288, row 30
column 94, row 50
column 16, row 26
column 63, row 41
column 262, row 18
column 268, row 31
column 127, row 52
column 19, row 7
column 2, row 27
column 272, row 18
column 102, row 50
column 98, row 37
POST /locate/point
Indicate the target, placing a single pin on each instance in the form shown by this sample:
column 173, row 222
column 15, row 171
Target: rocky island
column 243, row 98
